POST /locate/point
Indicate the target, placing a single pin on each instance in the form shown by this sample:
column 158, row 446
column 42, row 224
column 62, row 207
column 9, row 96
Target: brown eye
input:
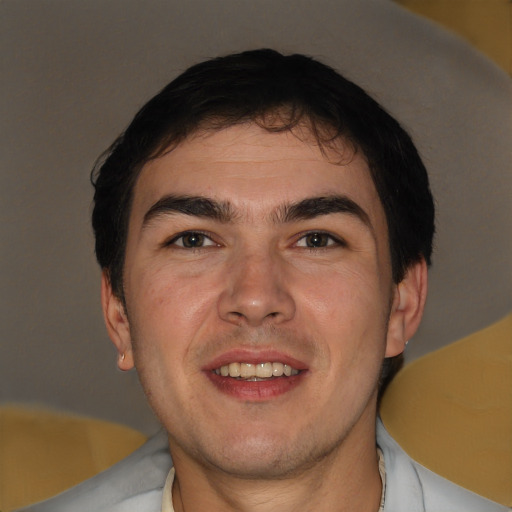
column 317, row 240
column 192, row 240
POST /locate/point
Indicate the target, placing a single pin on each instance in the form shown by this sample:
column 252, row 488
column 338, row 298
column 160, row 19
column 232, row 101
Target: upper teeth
column 261, row 370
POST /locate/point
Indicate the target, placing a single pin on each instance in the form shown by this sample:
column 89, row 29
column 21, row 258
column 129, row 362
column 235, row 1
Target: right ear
column 118, row 327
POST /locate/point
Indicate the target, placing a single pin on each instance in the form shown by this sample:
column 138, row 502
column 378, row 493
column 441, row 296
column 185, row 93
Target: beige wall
column 74, row 72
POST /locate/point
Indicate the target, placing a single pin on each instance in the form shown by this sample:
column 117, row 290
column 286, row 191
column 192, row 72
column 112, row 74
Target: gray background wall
column 75, row 71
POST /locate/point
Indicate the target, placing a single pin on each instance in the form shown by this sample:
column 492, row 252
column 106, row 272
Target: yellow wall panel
column 42, row 452
column 451, row 411
column 486, row 24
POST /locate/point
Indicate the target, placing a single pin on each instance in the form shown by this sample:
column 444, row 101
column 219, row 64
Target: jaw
column 272, row 437
column 267, row 469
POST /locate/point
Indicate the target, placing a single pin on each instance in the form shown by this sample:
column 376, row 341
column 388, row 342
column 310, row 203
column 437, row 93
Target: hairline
column 312, row 126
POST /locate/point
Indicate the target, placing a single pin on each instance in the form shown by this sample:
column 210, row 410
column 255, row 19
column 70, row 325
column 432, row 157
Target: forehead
column 254, row 168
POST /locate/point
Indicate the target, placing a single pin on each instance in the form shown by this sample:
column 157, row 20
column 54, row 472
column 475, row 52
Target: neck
column 345, row 480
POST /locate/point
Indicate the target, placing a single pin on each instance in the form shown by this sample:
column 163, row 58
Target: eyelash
column 333, row 241
column 182, row 235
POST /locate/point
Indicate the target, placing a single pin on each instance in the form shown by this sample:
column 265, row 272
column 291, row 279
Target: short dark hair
column 258, row 86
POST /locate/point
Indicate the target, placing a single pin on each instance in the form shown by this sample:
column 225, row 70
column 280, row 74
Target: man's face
column 251, row 252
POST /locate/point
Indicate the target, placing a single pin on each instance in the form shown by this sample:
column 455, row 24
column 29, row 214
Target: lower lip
column 255, row 391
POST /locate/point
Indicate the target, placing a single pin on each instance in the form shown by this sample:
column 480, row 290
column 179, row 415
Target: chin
column 266, row 466
column 268, row 457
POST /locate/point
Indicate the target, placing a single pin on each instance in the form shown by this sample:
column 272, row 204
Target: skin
column 254, row 288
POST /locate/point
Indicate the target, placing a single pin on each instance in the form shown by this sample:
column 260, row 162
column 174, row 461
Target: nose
column 255, row 292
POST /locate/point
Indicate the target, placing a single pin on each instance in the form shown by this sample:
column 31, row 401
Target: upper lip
column 253, row 357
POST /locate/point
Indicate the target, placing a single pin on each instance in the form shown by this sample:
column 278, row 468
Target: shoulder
column 410, row 487
column 121, row 488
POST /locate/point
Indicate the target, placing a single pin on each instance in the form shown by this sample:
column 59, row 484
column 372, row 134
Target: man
column 264, row 230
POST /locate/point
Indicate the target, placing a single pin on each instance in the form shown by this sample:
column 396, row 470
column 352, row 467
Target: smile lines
column 259, row 371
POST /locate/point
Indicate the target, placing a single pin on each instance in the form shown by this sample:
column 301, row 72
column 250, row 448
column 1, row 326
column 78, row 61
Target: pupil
column 193, row 240
column 316, row 240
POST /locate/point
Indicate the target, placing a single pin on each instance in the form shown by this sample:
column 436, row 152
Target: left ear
column 407, row 309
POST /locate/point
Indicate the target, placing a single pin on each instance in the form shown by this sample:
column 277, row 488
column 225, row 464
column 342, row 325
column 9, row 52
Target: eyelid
column 172, row 241
column 337, row 240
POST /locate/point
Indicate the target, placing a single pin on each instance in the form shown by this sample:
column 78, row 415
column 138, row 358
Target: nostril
column 255, row 301
column 236, row 317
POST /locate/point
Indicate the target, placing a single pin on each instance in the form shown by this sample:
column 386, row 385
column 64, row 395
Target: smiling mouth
column 256, row 372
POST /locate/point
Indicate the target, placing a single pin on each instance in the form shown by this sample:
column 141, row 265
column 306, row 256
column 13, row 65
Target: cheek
column 349, row 310
column 352, row 293
column 168, row 316
column 171, row 309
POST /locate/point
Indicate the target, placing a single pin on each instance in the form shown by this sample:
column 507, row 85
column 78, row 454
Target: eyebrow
column 223, row 211
column 190, row 205
column 310, row 208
